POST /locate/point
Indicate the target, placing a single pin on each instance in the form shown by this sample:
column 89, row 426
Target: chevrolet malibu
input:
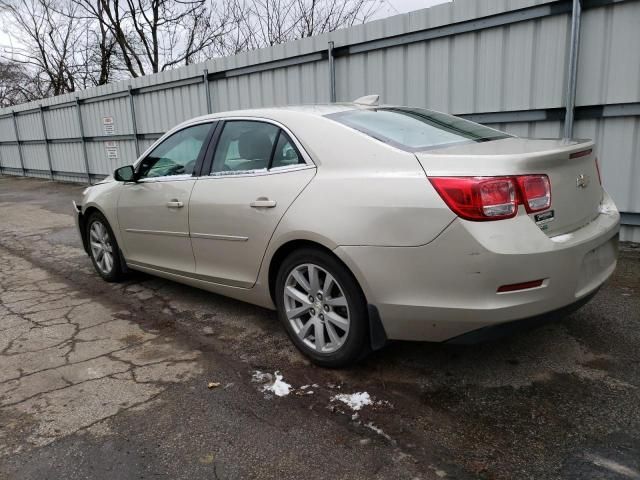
column 362, row 223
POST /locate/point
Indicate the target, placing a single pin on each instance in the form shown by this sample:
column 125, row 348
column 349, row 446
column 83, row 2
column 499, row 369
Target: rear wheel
column 103, row 248
column 322, row 308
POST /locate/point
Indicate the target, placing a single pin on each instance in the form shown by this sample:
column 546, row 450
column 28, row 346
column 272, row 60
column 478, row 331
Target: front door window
column 177, row 155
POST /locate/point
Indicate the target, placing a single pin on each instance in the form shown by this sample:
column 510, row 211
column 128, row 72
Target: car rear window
column 415, row 129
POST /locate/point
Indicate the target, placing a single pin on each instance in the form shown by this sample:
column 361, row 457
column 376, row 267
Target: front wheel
column 103, row 248
column 322, row 308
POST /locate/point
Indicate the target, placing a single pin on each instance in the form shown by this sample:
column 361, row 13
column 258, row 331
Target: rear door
column 257, row 172
column 153, row 213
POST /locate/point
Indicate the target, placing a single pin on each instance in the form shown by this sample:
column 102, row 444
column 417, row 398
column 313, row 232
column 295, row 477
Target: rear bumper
column 495, row 332
column 447, row 288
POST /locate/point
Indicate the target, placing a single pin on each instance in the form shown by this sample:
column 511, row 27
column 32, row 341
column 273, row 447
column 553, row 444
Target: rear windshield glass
column 414, row 129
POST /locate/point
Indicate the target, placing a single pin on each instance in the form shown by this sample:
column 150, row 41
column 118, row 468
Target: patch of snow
column 613, row 466
column 378, row 430
column 562, row 238
column 261, row 377
column 355, row 401
column 274, row 383
column 438, row 471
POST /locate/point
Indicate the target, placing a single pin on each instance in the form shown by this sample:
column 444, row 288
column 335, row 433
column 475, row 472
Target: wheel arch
column 82, row 223
column 377, row 334
column 284, row 250
column 84, row 217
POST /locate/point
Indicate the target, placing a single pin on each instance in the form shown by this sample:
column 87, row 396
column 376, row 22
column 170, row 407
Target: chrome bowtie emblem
column 582, row 181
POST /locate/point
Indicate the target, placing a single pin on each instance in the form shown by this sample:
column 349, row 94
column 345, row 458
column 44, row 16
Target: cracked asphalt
column 103, row 380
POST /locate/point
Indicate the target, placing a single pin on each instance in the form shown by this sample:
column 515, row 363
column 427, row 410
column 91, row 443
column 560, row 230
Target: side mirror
column 125, row 174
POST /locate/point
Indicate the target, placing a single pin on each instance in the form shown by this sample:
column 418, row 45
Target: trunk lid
column 576, row 192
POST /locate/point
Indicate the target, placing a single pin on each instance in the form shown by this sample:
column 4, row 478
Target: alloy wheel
column 317, row 308
column 101, row 247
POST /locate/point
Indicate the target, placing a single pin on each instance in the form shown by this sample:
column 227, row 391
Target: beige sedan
column 362, row 224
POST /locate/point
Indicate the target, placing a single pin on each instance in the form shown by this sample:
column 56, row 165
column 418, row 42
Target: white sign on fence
column 108, row 126
column 112, row 150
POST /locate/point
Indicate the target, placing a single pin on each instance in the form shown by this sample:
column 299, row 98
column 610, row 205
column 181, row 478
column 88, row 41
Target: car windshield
column 415, row 129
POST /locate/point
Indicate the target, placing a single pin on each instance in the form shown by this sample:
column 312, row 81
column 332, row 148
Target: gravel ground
column 112, row 381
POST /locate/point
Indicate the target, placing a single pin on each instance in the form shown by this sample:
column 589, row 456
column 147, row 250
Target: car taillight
column 493, row 198
column 478, row 198
column 536, row 192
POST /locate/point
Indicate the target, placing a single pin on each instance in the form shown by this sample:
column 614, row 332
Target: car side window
column 285, row 154
column 244, row 146
column 177, row 155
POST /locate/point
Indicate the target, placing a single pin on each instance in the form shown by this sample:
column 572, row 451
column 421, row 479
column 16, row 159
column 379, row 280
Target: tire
column 100, row 239
column 318, row 329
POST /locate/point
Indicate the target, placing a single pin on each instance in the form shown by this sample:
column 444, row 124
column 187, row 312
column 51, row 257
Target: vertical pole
column 46, row 142
column 133, row 121
column 332, row 75
column 15, row 130
column 84, row 142
column 572, row 69
column 0, row 159
column 207, row 92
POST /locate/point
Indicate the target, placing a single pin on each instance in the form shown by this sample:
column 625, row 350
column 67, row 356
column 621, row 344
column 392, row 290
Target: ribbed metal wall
column 501, row 62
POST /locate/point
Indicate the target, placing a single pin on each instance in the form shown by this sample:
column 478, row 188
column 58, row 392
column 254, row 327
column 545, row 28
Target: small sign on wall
column 111, row 148
column 108, row 126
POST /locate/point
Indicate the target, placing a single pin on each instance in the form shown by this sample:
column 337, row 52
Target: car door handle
column 175, row 204
column 263, row 203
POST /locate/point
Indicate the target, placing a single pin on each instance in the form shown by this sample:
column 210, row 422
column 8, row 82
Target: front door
column 257, row 172
column 153, row 213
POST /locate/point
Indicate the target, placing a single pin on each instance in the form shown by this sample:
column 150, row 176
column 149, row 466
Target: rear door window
column 244, row 146
column 248, row 146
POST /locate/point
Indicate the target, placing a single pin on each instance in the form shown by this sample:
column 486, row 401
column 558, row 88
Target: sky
column 388, row 8
column 394, row 7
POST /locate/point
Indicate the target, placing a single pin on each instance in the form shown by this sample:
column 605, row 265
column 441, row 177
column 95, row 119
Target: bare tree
column 261, row 23
column 15, row 85
column 316, row 17
column 154, row 35
column 65, row 45
column 47, row 40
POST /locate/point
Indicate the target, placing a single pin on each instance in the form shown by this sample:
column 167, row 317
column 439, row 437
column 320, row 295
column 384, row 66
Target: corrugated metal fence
column 498, row 62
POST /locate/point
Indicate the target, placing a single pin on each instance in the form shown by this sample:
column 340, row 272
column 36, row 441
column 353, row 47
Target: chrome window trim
column 258, row 172
column 166, row 178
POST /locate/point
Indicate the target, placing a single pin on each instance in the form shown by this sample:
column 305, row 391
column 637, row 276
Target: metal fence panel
column 35, row 157
column 609, row 61
column 6, row 130
column 161, row 110
column 10, row 156
column 114, row 111
column 30, row 126
column 618, row 148
column 67, row 157
column 99, row 161
column 62, row 122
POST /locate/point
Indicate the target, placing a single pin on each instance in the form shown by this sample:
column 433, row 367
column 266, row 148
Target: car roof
column 277, row 113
